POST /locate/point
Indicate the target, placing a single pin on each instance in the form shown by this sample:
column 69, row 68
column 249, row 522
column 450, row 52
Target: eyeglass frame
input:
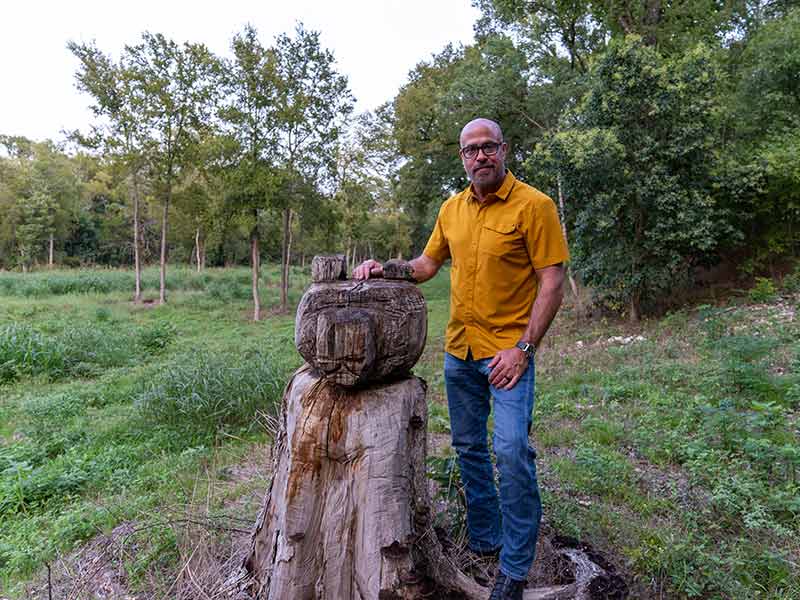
column 480, row 148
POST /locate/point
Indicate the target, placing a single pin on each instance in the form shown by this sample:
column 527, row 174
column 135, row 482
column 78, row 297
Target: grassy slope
column 676, row 454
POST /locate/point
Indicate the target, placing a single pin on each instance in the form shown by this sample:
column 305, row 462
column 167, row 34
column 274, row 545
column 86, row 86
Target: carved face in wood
column 346, row 345
column 358, row 333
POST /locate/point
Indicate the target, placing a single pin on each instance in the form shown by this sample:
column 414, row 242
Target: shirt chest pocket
column 501, row 239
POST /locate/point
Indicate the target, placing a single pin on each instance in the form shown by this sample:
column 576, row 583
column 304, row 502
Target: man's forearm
column 548, row 300
column 424, row 268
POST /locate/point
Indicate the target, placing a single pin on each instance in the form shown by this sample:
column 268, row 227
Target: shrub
column 791, row 283
column 156, row 337
column 763, row 291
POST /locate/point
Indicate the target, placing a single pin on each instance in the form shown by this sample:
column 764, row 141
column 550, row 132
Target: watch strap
column 527, row 348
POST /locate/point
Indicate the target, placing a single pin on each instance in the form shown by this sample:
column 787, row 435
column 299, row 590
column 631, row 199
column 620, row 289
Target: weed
column 155, row 337
column 763, row 291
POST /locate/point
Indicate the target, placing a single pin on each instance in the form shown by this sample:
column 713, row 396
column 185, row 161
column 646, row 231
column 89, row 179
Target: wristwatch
column 527, row 348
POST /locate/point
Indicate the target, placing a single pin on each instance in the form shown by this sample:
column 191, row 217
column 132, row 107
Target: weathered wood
column 359, row 332
column 398, row 269
column 328, row 268
column 338, row 522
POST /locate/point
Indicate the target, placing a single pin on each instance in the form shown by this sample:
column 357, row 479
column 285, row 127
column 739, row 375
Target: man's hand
column 507, row 367
column 369, row 268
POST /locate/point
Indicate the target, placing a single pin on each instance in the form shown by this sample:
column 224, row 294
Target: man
column 507, row 250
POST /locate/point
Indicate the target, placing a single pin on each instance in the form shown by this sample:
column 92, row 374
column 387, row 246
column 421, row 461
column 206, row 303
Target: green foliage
column 210, row 394
column 444, row 471
column 763, row 291
column 636, row 160
column 156, row 337
column 24, row 351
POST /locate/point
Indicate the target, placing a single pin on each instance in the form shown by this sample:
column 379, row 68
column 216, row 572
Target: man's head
column 483, row 153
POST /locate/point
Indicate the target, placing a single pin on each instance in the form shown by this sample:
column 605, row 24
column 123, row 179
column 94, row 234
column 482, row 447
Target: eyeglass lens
column 488, row 148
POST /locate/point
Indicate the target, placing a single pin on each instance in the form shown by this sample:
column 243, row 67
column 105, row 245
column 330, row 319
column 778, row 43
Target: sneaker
column 506, row 588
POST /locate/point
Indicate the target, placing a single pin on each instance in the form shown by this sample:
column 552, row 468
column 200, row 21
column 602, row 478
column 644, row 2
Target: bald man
column 507, row 250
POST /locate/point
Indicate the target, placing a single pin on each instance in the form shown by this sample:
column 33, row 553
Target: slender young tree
column 311, row 105
column 119, row 130
column 175, row 86
column 249, row 117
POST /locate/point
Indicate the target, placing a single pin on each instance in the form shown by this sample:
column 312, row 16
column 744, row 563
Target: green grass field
column 672, row 448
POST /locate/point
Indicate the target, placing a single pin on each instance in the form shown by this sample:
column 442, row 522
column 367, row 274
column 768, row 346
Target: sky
column 376, row 43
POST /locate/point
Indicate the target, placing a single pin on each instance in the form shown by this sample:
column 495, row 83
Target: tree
column 312, row 102
column 766, row 136
column 638, row 162
column 174, row 86
column 54, row 178
column 249, row 114
column 120, row 130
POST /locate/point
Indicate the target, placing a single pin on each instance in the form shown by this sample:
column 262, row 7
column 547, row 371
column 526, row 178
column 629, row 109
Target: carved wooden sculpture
column 347, row 516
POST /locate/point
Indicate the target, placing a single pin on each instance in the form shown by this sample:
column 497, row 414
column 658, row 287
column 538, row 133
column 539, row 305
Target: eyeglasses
column 489, row 149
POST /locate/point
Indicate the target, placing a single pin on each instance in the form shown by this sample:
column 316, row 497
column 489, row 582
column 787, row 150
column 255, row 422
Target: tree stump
column 347, row 515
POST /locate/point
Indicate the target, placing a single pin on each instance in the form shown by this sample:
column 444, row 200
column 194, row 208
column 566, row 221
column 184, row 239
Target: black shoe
column 506, row 588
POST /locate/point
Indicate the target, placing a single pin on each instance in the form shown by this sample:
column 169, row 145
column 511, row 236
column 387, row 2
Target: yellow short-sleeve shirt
column 494, row 247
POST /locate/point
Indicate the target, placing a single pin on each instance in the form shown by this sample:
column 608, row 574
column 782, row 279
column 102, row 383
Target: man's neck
column 483, row 193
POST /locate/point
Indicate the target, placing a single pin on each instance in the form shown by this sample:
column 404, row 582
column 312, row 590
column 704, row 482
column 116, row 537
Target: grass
column 110, row 411
column 672, row 447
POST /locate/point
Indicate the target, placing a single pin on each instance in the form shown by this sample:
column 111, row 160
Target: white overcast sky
column 376, row 44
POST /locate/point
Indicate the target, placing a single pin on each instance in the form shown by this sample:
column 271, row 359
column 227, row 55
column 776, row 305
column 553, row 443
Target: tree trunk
column 198, row 251
column 137, row 261
column 255, row 261
column 162, row 289
column 50, row 252
column 636, row 308
column 336, row 524
column 573, row 286
column 285, row 259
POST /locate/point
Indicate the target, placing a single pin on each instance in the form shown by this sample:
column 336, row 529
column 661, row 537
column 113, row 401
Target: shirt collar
column 500, row 194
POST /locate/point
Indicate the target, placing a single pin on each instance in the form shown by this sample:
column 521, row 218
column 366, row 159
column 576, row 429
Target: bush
column 763, row 291
column 156, row 337
column 791, row 283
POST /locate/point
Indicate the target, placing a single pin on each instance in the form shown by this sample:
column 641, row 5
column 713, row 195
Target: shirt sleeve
column 437, row 247
column 545, row 238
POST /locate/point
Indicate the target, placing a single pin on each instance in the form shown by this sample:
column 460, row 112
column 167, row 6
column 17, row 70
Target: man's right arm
column 424, row 267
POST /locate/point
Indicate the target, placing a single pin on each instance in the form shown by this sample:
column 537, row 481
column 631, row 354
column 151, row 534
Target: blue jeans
column 468, row 391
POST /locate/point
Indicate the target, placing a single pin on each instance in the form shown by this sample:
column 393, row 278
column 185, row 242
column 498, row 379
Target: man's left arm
column 509, row 365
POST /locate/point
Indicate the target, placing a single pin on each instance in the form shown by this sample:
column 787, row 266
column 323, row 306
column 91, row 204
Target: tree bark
column 255, row 261
column 287, row 222
column 50, row 252
column 137, row 261
column 336, row 524
column 162, row 288
column 573, row 286
column 199, row 250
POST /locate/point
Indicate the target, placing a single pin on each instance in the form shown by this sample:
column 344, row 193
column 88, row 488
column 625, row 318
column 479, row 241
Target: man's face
column 485, row 172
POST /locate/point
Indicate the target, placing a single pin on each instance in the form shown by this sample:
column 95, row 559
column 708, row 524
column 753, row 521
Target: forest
column 668, row 134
